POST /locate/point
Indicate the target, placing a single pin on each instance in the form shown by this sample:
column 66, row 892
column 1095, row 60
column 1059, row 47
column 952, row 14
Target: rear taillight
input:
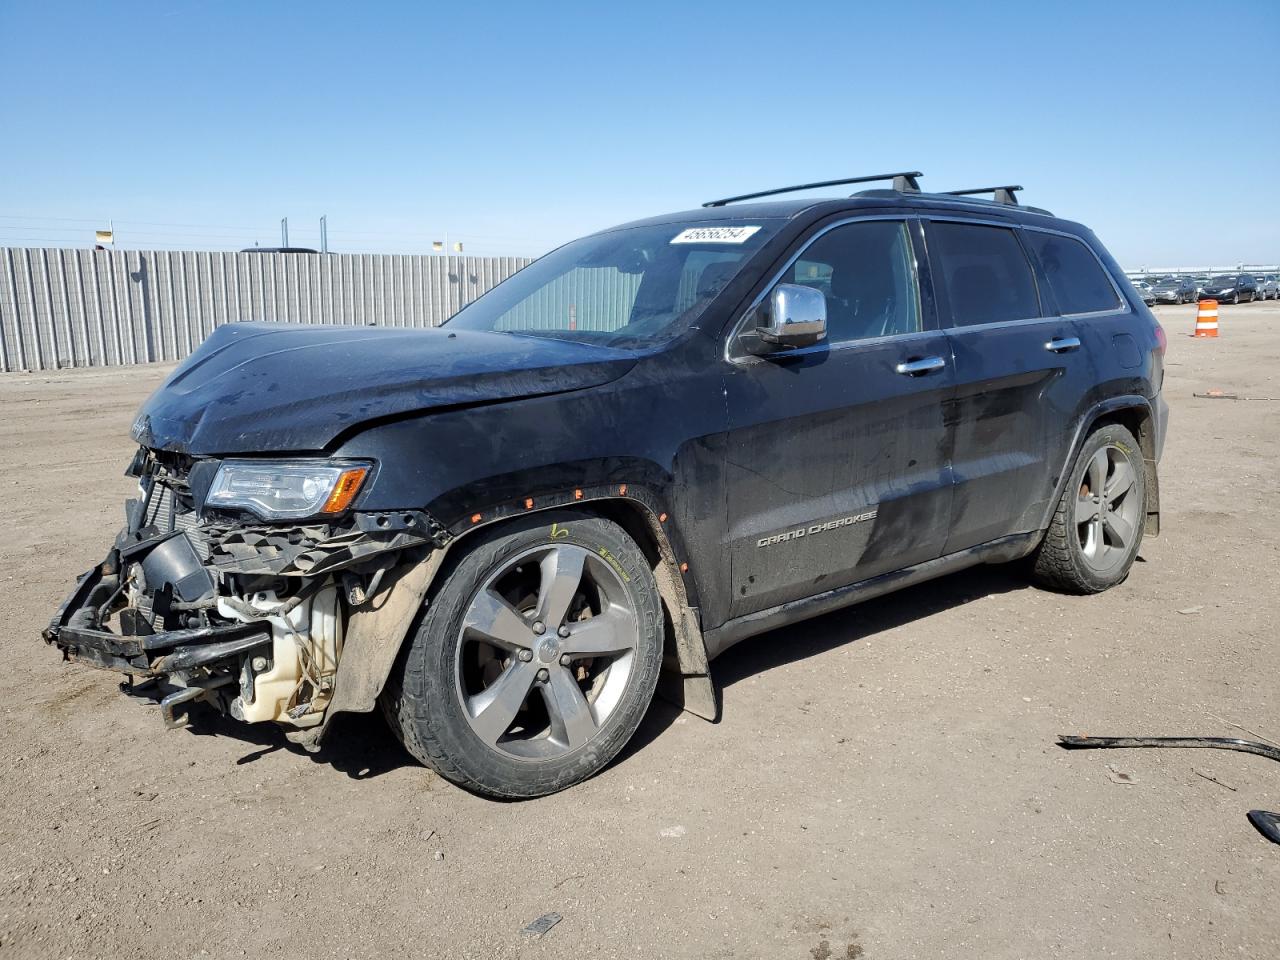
column 1162, row 341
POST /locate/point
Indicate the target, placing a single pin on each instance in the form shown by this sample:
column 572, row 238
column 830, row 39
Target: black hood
column 279, row 387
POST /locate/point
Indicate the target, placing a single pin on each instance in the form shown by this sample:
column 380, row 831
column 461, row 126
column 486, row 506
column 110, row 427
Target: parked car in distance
column 1145, row 291
column 1269, row 287
column 1200, row 284
column 1231, row 288
column 650, row 444
column 1174, row 290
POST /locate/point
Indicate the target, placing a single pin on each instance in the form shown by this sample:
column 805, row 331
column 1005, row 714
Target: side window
column 1077, row 279
column 867, row 273
column 986, row 273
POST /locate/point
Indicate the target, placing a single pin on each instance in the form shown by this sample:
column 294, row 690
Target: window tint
column 987, row 277
column 1076, row 278
column 867, row 273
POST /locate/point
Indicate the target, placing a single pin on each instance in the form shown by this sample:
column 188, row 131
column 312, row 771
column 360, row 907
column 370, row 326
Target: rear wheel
column 1097, row 526
column 535, row 660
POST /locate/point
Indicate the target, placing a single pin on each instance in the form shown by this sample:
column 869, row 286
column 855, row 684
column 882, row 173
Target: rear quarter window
column 987, row 276
column 1077, row 279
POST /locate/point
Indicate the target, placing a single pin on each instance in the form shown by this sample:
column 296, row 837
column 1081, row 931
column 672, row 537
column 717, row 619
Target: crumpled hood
column 281, row 387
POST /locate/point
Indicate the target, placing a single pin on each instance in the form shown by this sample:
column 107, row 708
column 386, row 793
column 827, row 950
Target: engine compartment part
column 247, row 617
column 294, row 684
column 1266, row 823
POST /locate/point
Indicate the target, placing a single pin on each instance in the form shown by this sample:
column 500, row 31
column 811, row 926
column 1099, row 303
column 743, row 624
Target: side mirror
column 793, row 316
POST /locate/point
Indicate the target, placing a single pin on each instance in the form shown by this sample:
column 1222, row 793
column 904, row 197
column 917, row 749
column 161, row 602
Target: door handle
column 1062, row 344
column 920, row 366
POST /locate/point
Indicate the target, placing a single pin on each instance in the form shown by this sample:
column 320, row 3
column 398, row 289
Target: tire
column 1235, row 299
column 462, row 671
column 1081, row 552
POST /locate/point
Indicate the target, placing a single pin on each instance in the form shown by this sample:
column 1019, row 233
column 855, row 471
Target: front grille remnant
column 296, row 551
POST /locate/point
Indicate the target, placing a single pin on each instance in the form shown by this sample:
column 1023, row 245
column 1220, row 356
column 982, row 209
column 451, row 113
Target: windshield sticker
column 714, row 235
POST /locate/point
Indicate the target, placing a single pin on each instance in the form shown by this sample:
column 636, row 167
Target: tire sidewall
column 1109, row 435
column 431, row 681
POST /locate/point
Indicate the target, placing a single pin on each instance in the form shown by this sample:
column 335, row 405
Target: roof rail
column 1001, row 194
column 902, row 182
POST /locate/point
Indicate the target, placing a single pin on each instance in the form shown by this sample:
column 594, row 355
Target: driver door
column 838, row 463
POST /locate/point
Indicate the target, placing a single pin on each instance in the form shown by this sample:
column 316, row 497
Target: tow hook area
column 184, row 697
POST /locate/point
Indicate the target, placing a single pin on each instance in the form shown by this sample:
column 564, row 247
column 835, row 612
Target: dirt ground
column 883, row 783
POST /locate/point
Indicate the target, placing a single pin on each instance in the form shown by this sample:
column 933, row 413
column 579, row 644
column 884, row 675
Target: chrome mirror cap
column 793, row 316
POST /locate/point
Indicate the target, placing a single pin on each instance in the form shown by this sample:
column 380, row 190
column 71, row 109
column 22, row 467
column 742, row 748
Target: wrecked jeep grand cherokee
column 651, row 443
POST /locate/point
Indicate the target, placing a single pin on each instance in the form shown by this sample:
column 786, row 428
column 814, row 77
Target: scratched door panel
column 848, row 477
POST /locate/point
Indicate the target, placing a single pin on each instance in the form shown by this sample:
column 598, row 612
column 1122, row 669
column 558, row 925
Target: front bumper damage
column 248, row 617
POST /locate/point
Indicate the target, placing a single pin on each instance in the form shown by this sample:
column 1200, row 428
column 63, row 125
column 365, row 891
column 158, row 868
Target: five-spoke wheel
column 535, row 658
column 545, row 651
column 1096, row 528
column 1107, row 514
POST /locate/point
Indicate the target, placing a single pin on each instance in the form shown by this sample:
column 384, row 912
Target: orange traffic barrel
column 1207, row 319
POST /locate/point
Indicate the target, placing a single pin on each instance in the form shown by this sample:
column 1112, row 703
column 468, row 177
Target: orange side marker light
column 475, row 518
column 622, row 490
column 577, row 494
column 345, row 490
column 528, row 503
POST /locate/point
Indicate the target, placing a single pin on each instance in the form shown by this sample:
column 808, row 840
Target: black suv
column 646, row 446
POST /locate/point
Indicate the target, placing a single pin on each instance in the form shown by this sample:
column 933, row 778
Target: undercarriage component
column 185, row 696
column 1267, row 823
column 188, row 658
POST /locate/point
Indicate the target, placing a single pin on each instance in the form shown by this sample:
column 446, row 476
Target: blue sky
column 517, row 126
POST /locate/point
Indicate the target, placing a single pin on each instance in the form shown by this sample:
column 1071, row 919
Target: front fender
column 376, row 630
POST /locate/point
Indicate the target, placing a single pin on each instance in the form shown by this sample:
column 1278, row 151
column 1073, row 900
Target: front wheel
column 535, row 659
column 1097, row 526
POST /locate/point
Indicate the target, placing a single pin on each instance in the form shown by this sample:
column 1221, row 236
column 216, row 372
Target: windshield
column 1225, row 281
column 624, row 288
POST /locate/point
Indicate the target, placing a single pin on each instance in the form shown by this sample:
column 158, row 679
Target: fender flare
column 1086, row 422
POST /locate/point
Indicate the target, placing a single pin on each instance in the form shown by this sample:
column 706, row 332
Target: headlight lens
column 284, row 489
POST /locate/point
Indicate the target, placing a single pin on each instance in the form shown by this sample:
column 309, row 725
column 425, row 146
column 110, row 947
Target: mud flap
column 1151, row 527
column 685, row 680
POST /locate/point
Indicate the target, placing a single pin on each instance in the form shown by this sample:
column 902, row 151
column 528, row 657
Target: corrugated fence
column 91, row 308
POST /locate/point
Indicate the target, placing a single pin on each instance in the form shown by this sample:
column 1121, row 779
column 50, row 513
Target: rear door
column 1020, row 378
column 1117, row 344
column 836, row 460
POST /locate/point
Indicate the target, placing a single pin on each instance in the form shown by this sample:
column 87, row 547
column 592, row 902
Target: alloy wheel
column 545, row 652
column 1107, row 509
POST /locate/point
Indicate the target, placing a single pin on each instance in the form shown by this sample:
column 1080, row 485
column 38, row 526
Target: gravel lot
column 883, row 783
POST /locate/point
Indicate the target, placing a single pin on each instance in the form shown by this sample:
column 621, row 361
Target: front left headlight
column 286, row 489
